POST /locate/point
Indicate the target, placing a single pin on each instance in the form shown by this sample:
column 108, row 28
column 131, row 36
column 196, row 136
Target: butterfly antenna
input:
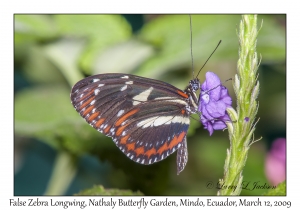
column 218, row 85
column 209, row 57
column 191, row 32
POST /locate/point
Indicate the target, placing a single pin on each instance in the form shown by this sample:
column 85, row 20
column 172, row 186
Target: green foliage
column 53, row 52
column 29, row 28
column 280, row 190
column 46, row 113
column 113, row 30
column 100, row 190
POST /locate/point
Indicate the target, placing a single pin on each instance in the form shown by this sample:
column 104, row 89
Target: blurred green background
column 57, row 152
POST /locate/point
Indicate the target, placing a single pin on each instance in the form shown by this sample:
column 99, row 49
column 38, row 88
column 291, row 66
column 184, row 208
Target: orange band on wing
column 139, row 151
column 163, row 148
column 124, row 139
column 106, row 130
column 87, row 110
column 120, row 130
column 176, row 140
column 87, row 102
column 125, row 116
column 93, row 116
column 99, row 122
column 182, row 94
column 87, row 94
column 150, row 152
column 130, row 146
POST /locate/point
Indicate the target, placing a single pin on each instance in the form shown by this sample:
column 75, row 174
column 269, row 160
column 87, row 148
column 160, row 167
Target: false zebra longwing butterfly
column 147, row 119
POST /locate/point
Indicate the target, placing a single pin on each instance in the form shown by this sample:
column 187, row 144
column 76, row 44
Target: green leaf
column 123, row 57
column 171, row 35
column 29, row 30
column 38, row 69
column 101, row 31
column 65, row 54
column 100, row 190
column 46, row 113
column 279, row 190
column 33, row 28
column 271, row 43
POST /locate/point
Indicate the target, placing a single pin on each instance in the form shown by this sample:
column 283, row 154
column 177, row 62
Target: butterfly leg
column 182, row 156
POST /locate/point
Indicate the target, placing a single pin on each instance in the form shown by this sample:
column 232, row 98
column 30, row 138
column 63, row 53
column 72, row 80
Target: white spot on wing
column 96, row 91
column 170, row 99
column 93, row 101
column 125, row 77
column 120, row 113
column 96, row 80
column 142, row 96
column 164, row 98
column 143, row 161
column 100, row 85
column 163, row 120
column 123, row 88
column 180, row 119
column 147, row 122
column 129, row 82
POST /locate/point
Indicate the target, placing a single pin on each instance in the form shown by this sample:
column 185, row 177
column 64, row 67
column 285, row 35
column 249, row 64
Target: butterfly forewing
column 147, row 119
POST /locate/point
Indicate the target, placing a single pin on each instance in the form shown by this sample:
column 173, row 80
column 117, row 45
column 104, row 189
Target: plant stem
column 62, row 175
column 246, row 87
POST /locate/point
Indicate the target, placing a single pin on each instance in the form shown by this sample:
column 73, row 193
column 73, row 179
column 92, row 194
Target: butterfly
column 147, row 119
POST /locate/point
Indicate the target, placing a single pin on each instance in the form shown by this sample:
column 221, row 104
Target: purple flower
column 276, row 162
column 214, row 99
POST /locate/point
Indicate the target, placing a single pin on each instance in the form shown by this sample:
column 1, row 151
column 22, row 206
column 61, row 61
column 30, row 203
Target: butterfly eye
column 195, row 85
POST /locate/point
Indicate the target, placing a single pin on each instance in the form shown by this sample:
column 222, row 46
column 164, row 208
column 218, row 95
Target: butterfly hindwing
column 146, row 118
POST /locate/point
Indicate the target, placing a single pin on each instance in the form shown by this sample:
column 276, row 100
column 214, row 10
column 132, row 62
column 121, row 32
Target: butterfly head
column 195, row 84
